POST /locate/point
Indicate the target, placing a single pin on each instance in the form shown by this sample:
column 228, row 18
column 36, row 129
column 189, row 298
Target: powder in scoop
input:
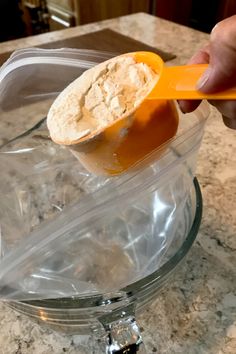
column 101, row 95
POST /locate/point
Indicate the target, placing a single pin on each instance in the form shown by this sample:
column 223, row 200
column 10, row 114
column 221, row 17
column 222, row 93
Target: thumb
column 221, row 73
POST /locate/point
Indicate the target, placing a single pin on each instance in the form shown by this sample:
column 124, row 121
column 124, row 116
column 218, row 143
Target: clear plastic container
column 81, row 252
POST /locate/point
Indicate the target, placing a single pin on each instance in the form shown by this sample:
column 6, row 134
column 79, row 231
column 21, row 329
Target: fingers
column 221, row 73
column 228, row 111
column 201, row 57
column 187, row 106
column 229, row 122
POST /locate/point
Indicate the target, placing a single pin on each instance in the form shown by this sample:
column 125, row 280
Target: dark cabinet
column 174, row 10
column 198, row 14
column 11, row 23
column 44, row 15
column 35, row 16
column 226, row 8
column 67, row 13
column 97, row 10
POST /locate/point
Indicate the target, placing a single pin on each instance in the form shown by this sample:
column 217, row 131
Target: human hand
column 220, row 53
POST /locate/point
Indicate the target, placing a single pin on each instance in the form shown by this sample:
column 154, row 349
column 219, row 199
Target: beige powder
column 98, row 97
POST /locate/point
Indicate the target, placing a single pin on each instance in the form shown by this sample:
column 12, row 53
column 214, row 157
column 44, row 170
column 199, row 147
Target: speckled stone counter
column 196, row 314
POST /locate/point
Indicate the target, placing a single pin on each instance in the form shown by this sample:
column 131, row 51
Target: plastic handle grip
column 179, row 82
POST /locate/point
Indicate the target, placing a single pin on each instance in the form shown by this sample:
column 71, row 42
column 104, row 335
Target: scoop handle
column 179, row 82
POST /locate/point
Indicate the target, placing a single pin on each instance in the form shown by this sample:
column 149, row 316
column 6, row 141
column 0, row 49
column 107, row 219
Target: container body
column 128, row 143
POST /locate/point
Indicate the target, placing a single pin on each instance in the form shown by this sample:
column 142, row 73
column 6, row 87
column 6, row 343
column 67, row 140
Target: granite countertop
column 196, row 314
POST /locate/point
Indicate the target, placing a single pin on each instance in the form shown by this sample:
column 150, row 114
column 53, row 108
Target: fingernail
column 203, row 79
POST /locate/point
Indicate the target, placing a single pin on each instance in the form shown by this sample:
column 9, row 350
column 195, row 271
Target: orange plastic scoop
column 143, row 133
column 178, row 82
column 174, row 83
